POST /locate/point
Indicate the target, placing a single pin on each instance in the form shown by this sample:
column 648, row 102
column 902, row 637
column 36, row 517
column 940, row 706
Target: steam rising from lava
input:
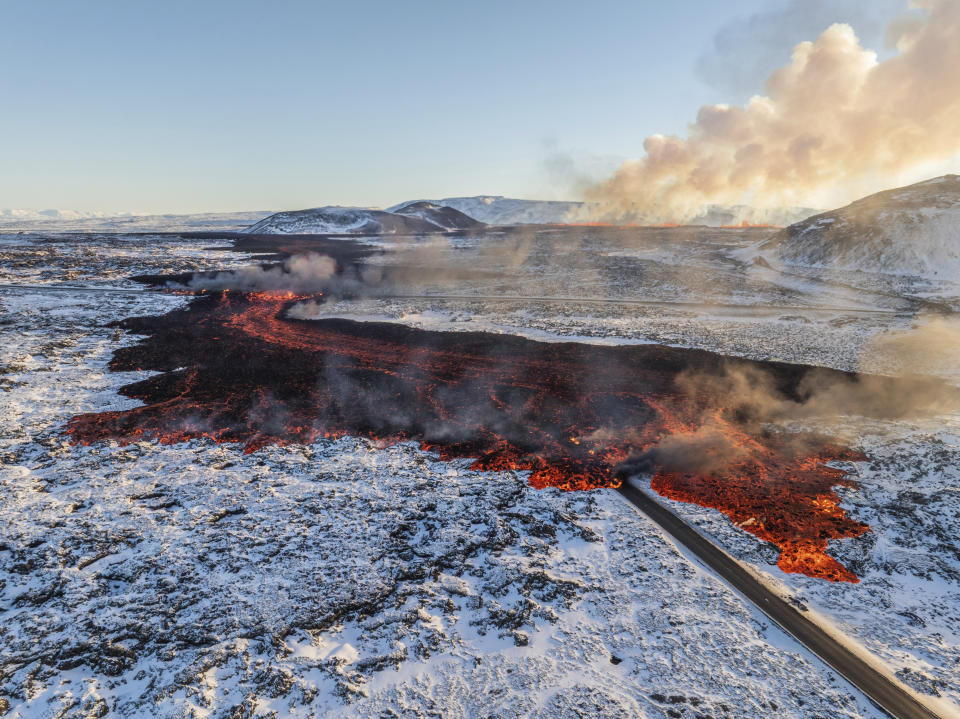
column 833, row 125
column 932, row 346
column 414, row 263
column 302, row 273
column 751, row 393
column 235, row 367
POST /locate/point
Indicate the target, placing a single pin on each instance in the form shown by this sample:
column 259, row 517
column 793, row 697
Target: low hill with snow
column 913, row 230
column 411, row 219
column 447, row 218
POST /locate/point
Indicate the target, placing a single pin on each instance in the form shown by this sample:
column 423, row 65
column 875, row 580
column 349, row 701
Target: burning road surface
column 235, row 368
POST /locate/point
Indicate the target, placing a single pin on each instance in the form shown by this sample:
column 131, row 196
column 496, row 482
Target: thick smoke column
column 834, row 124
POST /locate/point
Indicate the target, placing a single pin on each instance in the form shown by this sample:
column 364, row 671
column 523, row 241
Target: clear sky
column 188, row 106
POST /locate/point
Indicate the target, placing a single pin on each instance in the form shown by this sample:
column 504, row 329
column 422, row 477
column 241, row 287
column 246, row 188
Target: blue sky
column 180, row 106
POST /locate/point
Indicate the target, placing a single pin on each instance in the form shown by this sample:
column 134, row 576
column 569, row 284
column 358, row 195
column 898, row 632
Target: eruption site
column 235, row 367
column 835, row 123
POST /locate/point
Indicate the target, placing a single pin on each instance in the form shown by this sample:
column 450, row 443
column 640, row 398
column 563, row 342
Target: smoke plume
column 751, row 397
column 306, row 273
column 739, row 59
column 833, row 124
column 932, row 346
column 753, row 400
column 706, row 450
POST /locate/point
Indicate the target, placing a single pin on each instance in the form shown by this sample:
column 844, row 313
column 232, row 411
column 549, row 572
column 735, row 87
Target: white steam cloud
column 833, row 124
column 310, row 272
column 931, row 346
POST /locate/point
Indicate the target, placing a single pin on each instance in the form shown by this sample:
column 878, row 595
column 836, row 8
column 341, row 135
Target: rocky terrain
column 343, row 578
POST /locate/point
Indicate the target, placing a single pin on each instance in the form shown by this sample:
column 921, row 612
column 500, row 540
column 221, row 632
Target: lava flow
column 577, row 416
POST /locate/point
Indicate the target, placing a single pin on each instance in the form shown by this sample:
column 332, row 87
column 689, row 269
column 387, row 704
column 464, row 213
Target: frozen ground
column 70, row 221
column 343, row 579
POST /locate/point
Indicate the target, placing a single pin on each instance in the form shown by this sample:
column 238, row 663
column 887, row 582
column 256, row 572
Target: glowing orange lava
column 233, row 368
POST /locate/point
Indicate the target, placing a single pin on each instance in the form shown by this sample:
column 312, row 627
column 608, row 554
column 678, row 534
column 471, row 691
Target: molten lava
column 234, row 369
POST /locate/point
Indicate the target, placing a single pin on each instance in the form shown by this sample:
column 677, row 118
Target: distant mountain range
column 455, row 213
column 412, row 217
column 913, row 230
column 499, row 210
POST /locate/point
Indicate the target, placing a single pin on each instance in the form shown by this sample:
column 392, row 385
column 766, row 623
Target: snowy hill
column 912, row 230
column 439, row 215
column 499, row 210
column 413, row 218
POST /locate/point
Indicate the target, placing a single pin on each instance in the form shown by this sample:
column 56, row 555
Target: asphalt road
column 885, row 692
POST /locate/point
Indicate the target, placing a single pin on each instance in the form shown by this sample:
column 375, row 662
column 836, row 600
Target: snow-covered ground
column 73, row 221
column 344, row 579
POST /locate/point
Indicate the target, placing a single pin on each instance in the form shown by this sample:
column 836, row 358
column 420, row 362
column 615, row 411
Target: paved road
column 884, row 691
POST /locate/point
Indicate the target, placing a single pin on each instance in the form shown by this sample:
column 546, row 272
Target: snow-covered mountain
column 412, row 218
column 24, row 215
column 442, row 216
column 78, row 221
column 499, row 210
column 913, row 230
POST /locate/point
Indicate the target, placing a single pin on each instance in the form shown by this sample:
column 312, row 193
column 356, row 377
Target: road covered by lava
column 235, row 368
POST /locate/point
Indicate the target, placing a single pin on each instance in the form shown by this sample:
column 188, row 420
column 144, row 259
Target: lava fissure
column 234, row 368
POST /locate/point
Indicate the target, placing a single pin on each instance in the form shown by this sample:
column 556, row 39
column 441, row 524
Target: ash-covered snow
column 335, row 579
column 906, row 609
